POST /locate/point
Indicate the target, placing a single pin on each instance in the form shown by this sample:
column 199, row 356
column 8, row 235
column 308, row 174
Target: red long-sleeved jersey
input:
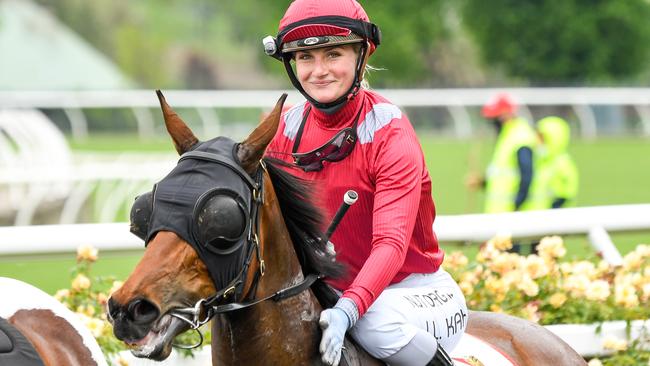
column 388, row 233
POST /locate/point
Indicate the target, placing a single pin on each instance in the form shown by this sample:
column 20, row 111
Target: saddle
column 15, row 349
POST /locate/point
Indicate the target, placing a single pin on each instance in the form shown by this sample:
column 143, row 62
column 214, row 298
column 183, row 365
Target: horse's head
column 200, row 228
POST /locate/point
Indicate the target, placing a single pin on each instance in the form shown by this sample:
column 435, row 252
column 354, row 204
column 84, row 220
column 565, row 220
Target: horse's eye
column 220, row 223
column 141, row 214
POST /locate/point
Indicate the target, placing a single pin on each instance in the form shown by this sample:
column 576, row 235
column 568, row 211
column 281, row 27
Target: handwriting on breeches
column 445, row 319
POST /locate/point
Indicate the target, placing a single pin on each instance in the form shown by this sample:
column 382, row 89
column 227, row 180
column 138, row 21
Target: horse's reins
column 208, row 307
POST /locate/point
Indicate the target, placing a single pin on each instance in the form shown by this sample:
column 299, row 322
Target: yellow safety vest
column 503, row 178
column 557, row 171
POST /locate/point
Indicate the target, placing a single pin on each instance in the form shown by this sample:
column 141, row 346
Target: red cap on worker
column 500, row 105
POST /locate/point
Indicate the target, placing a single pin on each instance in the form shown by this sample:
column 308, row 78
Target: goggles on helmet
column 336, row 149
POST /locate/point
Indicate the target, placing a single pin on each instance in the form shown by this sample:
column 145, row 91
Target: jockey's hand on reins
column 334, row 323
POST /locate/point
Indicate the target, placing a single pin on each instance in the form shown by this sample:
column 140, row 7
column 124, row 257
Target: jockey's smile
column 326, row 73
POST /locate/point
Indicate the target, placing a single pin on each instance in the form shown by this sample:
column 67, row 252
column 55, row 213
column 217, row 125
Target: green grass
column 122, row 143
column 51, row 272
column 612, row 171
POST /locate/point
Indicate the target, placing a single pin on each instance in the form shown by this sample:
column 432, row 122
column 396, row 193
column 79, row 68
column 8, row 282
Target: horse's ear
column 251, row 150
column 182, row 136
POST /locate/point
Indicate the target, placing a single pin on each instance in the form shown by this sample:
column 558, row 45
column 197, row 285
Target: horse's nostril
column 113, row 309
column 142, row 311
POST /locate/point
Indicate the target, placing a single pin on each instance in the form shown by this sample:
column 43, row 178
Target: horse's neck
column 286, row 330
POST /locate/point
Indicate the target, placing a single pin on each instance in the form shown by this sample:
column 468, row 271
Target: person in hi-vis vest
column 509, row 181
column 557, row 170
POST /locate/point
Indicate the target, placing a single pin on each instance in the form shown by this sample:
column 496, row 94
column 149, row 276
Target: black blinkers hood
column 209, row 169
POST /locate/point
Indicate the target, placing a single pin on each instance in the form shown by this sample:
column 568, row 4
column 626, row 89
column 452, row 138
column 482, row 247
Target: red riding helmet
column 499, row 106
column 330, row 22
column 311, row 24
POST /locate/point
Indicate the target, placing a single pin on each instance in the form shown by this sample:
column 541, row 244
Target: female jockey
column 396, row 300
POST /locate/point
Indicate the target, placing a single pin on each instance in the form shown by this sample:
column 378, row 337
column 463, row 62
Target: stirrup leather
column 441, row 358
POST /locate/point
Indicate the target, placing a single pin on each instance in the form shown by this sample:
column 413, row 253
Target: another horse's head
column 201, row 212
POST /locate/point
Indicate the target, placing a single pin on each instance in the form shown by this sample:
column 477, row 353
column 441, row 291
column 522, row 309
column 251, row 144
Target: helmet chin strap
column 335, row 105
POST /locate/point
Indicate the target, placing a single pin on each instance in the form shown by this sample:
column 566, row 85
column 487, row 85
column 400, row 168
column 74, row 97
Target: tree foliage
column 199, row 43
column 410, row 32
column 556, row 41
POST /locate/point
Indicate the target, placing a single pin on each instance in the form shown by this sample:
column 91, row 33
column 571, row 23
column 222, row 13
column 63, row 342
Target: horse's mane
column 303, row 219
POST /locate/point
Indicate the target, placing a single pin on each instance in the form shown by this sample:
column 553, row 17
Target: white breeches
column 432, row 302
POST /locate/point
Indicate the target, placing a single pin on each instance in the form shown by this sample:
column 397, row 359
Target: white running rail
column 456, row 101
column 449, row 228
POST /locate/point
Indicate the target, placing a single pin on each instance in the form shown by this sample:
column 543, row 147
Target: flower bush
column 546, row 290
column 88, row 296
column 541, row 287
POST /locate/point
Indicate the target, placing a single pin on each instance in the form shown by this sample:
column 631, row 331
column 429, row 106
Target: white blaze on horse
column 36, row 329
column 231, row 236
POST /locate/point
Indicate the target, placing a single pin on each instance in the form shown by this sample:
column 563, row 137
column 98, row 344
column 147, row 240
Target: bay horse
column 37, row 330
column 231, row 235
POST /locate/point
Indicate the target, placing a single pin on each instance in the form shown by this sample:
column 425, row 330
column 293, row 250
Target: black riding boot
column 441, row 358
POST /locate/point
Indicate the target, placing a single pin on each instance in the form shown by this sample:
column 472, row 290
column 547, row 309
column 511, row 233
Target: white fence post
column 600, row 240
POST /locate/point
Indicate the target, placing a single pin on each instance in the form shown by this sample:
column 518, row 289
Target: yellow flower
column 631, row 279
column 96, row 326
column 645, row 292
column 632, row 261
column 637, row 279
column 122, row 362
column 80, row 283
column 466, row 287
column 86, row 252
column 456, row 260
column 62, row 294
column 577, row 284
column 595, row 362
column 512, row 279
column 603, row 267
column 598, row 290
column 551, row 247
column 501, row 242
column 625, row 295
column 585, row 268
column 557, row 299
column 566, row 268
column 528, row 286
column 536, row 266
column 469, row 277
column 495, row 285
column 479, row 270
column 116, row 286
column 496, row 308
column 87, row 310
column 102, row 299
column 615, row 344
column 503, row 262
column 487, row 253
column 643, row 250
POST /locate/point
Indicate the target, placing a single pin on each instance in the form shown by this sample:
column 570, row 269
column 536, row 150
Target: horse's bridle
column 210, row 306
